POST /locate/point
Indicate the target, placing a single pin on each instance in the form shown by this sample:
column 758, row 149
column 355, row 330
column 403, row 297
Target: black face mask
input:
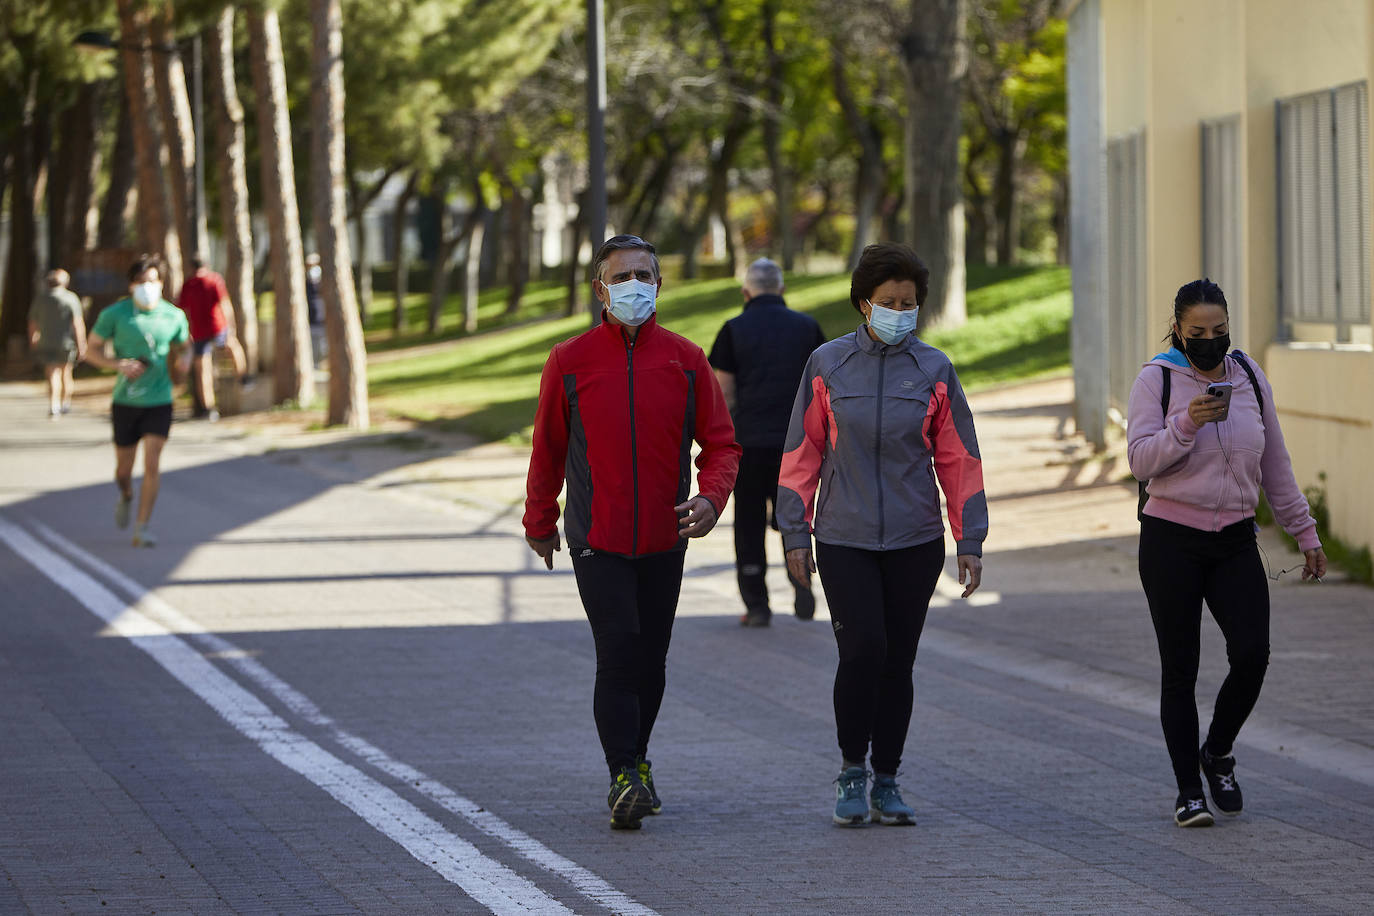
column 1206, row 353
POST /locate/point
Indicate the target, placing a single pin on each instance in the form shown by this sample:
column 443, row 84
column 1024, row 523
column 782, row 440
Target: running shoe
column 143, row 537
column 1192, row 812
column 122, row 512
column 1221, row 779
column 212, row 415
column 851, row 807
column 886, row 805
column 646, row 776
column 629, row 800
column 756, row 619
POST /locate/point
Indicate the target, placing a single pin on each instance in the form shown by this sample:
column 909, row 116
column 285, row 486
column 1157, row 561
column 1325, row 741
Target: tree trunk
column 438, row 268
column 518, row 264
column 122, row 190
column 293, row 375
column 472, row 273
column 157, row 226
column 935, row 64
column 175, row 106
column 347, row 352
column 574, row 262
column 81, row 203
column 872, row 173
column 783, row 234
column 363, row 274
column 61, row 168
column 232, row 162
column 718, row 183
column 398, row 258
column 1011, row 146
column 21, row 266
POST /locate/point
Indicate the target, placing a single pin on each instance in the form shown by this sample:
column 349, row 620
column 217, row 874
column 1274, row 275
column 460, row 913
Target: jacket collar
column 616, row 331
column 876, row 347
column 765, row 300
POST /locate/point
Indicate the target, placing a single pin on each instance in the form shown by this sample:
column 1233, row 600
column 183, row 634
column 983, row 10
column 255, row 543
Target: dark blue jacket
column 766, row 347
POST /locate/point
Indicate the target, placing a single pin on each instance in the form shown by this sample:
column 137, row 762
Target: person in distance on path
column 1205, row 459
column 878, row 418
column 619, row 408
column 57, row 333
column 758, row 358
column 205, row 300
column 150, row 337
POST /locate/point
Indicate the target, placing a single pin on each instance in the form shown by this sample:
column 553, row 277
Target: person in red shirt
column 619, row 408
column 205, row 300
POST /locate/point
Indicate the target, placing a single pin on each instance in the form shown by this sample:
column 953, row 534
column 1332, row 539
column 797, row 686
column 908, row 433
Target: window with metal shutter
column 1221, row 215
column 1323, row 212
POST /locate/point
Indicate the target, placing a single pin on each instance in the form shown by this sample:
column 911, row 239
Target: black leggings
column 756, row 491
column 1180, row 567
column 630, row 604
column 878, row 601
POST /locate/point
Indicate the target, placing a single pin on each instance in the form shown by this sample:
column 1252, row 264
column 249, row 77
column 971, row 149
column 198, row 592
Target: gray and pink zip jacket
column 872, row 428
column 1209, row 477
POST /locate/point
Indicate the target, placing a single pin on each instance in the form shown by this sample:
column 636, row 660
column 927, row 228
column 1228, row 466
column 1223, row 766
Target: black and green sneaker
column 646, row 776
column 629, row 800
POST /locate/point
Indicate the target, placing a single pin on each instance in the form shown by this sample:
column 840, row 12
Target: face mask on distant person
column 1207, row 353
column 147, row 295
column 631, row 302
column 891, row 325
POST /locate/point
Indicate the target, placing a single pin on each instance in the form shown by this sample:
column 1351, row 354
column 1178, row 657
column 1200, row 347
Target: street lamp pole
column 596, row 132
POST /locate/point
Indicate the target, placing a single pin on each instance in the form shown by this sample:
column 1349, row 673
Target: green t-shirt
column 55, row 311
column 149, row 335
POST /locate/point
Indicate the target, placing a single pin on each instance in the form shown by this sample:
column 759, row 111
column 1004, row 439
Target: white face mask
column 147, row 295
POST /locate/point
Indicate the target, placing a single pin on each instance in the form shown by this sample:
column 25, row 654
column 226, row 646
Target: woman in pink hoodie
column 1205, row 459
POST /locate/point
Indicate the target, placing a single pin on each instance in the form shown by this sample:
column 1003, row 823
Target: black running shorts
column 133, row 423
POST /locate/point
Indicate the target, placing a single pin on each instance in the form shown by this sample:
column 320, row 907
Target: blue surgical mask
column 631, row 302
column 891, row 325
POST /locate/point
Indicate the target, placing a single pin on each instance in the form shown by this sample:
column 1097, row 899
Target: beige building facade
column 1230, row 139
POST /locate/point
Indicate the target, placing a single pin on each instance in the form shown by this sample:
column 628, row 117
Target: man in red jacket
column 619, row 408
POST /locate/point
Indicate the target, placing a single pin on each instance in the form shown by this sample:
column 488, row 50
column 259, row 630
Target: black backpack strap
column 1254, row 382
column 1164, row 407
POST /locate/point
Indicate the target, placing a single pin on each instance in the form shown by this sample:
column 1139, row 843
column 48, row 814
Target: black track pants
column 756, row 492
column 878, row 601
column 1180, row 567
column 630, row 604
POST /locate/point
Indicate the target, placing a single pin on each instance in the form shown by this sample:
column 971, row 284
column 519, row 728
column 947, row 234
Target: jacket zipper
column 634, row 449
column 878, row 455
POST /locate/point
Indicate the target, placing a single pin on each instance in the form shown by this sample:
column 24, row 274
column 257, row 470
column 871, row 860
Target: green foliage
column 487, row 384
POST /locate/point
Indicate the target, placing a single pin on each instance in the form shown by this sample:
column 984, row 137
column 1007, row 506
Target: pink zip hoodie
column 1210, row 477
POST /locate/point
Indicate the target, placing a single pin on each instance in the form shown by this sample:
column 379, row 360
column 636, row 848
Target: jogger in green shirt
column 150, row 338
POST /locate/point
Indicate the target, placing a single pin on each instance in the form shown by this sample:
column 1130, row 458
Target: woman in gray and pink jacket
column 1205, row 459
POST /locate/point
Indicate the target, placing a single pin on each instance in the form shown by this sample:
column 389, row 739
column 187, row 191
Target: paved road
column 340, row 685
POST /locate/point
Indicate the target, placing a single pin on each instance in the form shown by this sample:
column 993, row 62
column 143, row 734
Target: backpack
column 1164, row 406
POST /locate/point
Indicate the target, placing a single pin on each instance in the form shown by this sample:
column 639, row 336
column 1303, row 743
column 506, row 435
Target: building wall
column 1169, row 65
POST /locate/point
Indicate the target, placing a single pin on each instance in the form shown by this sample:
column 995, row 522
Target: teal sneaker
column 646, row 776
column 851, row 808
column 886, row 803
column 629, row 800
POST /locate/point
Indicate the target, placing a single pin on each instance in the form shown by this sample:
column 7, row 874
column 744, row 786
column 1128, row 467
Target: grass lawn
column 486, row 384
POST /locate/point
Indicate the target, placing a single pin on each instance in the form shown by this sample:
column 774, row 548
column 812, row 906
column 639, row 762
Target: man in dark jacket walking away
column 619, row 408
column 758, row 358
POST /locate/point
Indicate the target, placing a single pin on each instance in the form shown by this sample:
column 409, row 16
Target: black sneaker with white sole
column 629, row 800
column 1221, row 780
column 1192, row 812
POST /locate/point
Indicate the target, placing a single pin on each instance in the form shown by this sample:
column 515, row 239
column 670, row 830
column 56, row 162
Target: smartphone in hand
column 1221, row 390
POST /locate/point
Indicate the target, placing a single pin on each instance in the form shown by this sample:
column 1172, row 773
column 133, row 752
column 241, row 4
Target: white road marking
column 587, row 883
column 485, row 880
